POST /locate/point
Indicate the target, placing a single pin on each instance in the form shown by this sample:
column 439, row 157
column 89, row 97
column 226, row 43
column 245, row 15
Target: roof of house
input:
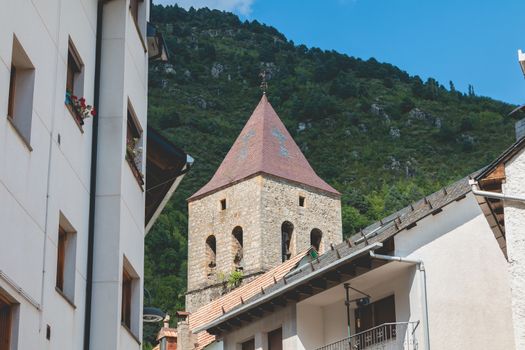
column 167, row 332
column 166, row 165
column 238, row 296
column 353, row 248
column 264, row 146
column 502, row 158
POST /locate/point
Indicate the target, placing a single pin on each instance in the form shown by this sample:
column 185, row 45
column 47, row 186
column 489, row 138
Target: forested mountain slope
column 381, row 137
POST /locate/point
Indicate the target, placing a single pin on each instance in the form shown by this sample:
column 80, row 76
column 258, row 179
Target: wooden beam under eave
column 292, row 296
column 268, row 307
column 305, row 290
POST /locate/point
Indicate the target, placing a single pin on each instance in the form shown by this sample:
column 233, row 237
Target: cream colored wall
column 515, row 235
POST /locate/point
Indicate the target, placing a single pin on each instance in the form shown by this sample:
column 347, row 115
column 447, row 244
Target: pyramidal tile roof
column 264, row 146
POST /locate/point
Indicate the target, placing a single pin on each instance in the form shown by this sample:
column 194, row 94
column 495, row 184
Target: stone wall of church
column 280, row 202
column 259, row 205
column 206, row 217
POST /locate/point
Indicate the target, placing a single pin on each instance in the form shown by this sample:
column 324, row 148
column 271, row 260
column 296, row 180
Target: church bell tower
column 263, row 205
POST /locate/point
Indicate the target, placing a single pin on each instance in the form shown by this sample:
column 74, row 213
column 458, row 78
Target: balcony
column 388, row 336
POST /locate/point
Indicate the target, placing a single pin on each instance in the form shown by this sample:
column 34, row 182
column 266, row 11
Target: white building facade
column 67, row 250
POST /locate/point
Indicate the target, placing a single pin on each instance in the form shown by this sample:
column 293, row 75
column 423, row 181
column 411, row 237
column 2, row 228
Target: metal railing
column 388, row 336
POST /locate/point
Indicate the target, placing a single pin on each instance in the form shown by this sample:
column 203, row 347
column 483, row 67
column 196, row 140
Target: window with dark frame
column 134, row 145
column 6, row 315
column 375, row 314
column 12, row 92
column 223, row 204
column 248, row 345
column 61, row 258
column 127, row 282
column 66, row 260
column 74, row 69
column 301, row 201
column 275, row 339
column 21, row 90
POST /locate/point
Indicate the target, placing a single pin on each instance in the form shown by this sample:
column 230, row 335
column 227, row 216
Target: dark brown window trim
column 19, row 133
column 12, row 92
column 66, row 298
column 75, row 117
column 130, row 332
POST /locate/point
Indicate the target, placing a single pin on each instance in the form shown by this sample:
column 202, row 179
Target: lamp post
column 152, row 314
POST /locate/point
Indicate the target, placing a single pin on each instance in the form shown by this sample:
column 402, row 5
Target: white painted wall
column 467, row 279
column 515, row 235
column 35, row 186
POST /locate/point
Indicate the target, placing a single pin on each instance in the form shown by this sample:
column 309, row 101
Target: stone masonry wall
column 515, row 235
column 259, row 205
column 206, row 218
column 280, row 203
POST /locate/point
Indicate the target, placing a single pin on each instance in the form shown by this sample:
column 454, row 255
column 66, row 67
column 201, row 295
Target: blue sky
column 466, row 41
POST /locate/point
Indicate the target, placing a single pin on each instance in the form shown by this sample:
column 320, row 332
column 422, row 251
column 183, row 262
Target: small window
column 223, row 204
column 66, row 255
column 237, row 247
column 301, row 201
column 316, row 237
column 6, row 320
column 134, row 145
column 286, row 238
column 127, row 282
column 21, row 89
column 275, row 339
column 211, row 252
column 74, row 76
column 130, row 298
column 248, row 345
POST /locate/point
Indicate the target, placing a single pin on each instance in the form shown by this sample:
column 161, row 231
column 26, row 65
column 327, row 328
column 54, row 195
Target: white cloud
column 242, row 7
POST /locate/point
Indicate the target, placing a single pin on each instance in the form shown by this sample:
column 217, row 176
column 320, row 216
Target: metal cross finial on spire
column 264, row 82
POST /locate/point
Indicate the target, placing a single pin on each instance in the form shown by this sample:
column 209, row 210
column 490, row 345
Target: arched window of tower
column 316, row 237
column 286, row 239
column 238, row 247
column 211, row 251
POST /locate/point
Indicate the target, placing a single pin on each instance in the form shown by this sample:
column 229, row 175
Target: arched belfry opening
column 238, row 245
column 286, row 239
column 316, row 237
column 211, row 252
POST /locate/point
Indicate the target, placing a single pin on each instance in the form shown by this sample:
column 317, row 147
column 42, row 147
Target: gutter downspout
column 93, row 178
column 421, row 268
column 496, row 195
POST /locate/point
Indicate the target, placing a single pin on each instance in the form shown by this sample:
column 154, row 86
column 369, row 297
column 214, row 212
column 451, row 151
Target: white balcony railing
column 388, row 336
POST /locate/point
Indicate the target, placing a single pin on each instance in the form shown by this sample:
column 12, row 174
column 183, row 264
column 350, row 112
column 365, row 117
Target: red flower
column 83, row 102
column 93, row 112
column 74, row 97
